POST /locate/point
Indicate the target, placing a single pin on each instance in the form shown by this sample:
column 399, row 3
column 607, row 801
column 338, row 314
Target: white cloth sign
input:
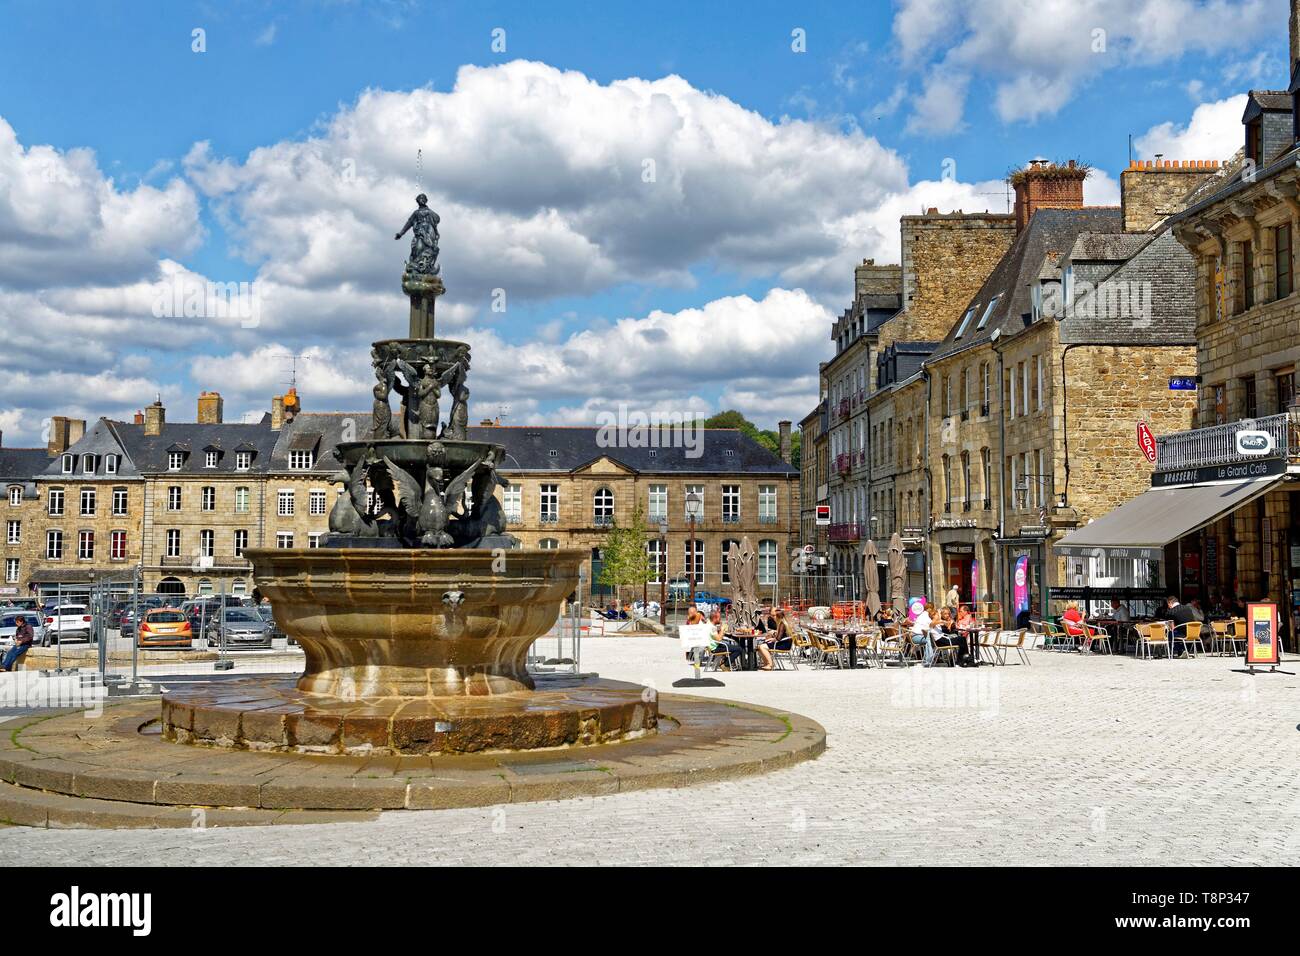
column 695, row 635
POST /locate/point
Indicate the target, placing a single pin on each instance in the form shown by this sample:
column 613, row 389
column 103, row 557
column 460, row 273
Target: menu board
column 1261, row 634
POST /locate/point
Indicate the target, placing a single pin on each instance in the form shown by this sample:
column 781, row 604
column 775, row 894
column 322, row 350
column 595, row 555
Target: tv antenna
column 419, row 168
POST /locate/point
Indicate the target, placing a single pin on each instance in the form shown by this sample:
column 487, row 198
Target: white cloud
column 1038, row 53
column 1214, row 132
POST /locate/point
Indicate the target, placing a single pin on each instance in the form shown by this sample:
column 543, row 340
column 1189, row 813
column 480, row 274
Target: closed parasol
column 897, row 574
column 871, row 577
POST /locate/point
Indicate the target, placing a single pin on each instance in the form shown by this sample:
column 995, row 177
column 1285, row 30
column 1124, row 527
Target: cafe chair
column 1004, row 641
column 1190, row 635
column 718, row 659
column 941, row 652
column 1098, row 635
column 1236, row 633
column 1152, row 637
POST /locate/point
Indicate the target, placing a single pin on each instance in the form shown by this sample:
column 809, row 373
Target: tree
column 766, row 437
column 626, row 561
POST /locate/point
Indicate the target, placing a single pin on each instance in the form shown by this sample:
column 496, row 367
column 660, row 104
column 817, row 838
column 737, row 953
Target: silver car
column 9, row 625
column 243, row 627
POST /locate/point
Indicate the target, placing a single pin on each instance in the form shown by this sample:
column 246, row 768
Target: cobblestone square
column 1096, row 761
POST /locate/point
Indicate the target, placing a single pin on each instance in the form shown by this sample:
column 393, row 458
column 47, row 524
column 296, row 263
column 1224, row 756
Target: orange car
column 165, row 627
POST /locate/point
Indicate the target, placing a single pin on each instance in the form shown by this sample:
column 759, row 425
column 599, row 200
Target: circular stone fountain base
column 274, row 714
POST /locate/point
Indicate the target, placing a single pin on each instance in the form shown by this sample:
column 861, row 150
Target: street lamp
column 663, row 570
column 694, row 511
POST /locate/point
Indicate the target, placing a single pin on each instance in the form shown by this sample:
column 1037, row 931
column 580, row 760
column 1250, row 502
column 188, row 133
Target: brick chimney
column 139, row 418
column 154, row 418
column 1044, row 185
column 783, row 429
column 210, row 408
column 277, row 412
column 64, row 433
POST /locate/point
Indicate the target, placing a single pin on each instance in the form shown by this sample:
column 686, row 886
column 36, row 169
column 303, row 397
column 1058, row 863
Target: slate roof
column 1106, row 247
column 1048, row 230
column 1271, row 101
column 528, row 448
column 21, row 464
column 147, row 454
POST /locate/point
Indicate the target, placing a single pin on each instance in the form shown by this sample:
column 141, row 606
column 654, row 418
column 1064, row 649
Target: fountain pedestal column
column 423, row 291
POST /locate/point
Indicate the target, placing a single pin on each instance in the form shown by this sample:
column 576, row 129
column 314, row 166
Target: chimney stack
column 1044, row 185
column 783, row 429
column 277, row 412
column 139, row 418
column 210, row 408
column 64, row 433
column 155, row 416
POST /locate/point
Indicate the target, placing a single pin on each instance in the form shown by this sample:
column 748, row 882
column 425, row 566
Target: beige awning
column 1160, row 516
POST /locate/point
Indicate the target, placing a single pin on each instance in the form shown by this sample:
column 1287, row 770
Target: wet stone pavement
column 1067, row 761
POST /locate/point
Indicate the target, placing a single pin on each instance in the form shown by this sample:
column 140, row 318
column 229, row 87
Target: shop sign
column 1255, row 444
column 942, row 524
column 1261, row 634
column 1182, row 383
column 1263, row 468
column 1033, row 531
column 959, row 548
column 823, row 515
column 1147, row 442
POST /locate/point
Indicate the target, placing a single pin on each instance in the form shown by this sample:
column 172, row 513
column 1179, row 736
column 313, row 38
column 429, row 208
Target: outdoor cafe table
column 748, row 656
column 848, row 633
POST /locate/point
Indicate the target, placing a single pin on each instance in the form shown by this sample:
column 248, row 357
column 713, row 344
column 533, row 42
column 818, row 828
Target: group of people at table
column 770, row 633
column 1120, row 621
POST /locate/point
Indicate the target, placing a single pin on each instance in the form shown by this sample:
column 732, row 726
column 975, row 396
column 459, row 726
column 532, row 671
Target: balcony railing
column 550, row 517
column 1217, row 444
column 602, row 521
column 767, row 519
column 852, row 531
column 731, row 517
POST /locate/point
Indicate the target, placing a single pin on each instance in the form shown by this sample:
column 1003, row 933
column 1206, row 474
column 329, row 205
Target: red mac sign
column 1147, row 442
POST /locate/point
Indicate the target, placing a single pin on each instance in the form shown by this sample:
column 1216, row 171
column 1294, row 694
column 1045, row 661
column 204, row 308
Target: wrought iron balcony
column 602, row 521
column 850, row 531
column 549, row 517
column 1217, row 444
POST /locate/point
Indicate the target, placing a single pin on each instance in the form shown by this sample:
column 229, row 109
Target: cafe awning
column 1142, row 527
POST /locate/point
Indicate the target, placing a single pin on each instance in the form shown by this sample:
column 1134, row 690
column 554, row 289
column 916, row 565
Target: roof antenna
column 419, row 168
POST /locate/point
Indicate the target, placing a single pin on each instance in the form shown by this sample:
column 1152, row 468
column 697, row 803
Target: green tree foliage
column 626, row 562
column 768, row 438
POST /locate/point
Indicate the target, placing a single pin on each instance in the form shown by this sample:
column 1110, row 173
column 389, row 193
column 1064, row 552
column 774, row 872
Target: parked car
column 165, row 627
column 68, row 622
column 265, row 613
column 9, row 618
column 243, row 627
column 679, row 589
column 713, row 600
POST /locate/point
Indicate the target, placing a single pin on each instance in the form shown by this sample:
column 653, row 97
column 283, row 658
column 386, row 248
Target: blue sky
column 780, row 168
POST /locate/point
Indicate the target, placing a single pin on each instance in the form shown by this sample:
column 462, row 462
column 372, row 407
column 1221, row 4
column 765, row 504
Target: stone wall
column 38, row 521
column 1150, row 192
column 871, row 279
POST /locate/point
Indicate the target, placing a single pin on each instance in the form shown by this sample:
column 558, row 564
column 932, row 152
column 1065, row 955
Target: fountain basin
column 415, row 623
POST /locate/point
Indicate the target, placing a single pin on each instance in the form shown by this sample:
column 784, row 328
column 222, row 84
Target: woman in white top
column 921, row 626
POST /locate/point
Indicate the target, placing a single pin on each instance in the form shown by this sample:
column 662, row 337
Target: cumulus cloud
column 1039, row 53
column 1213, row 132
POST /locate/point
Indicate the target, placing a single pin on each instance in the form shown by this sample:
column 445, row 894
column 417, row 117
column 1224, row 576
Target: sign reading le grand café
column 1238, row 471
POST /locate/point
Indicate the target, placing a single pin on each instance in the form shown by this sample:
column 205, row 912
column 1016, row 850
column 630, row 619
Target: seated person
column 885, row 615
column 920, row 629
column 720, row 640
column 965, row 619
column 945, row 634
column 777, row 639
column 1072, row 619
column 1118, row 612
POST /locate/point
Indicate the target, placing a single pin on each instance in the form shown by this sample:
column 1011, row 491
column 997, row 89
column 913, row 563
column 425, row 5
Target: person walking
column 23, row 639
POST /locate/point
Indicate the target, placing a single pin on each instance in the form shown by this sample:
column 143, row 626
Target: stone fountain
column 417, row 611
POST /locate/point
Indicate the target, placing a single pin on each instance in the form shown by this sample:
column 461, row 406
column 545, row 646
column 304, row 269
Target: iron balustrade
column 1217, row 444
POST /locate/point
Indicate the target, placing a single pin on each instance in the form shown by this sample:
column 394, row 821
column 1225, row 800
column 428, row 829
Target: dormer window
column 110, row 464
column 175, row 460
column 210, row 459
column 15, row 496
column 301, row 460
column 243, row 460
column 87, row 464
column 69, row 463
column 553, row 453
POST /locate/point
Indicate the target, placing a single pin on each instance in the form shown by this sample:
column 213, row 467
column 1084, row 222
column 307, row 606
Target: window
column 731, row 504
column 1285, row 381
column 1247, row 275
column 964, row 393
column 119, row 501
column 767, row 504
column 1283, row 283
column 11, row 570
column 693, row 564
column 1038, row 383
column 965, row 321
column 87, row 464
column 698, row 491
column 174, row 498
column 602, row 505
column 301, row 460
column 947, row 483
column 947, row 396
column 85, row 545
column 1220, row 398
column 209, row 498
column 548, row 544
column 984, row 319
column 241, row 542
column 207, row 538
column 658, row 502
column 54, row 504
column 88, row 501
column 1024, row 387
column 284, row 539
column 175, row 460
column 655, row 549
column 986, row 387
column 1042, row 478
column 69, row 462
column 514, row 503
column 54, row 545
column 1009, row 393
column 210, row 459
column 110, row 464
column 316, row 502
column 117, row 545
column 241, row 500
column 986, row 476
column 173, row 547
column 1249, row 404
column 284, row 503
column 767, row 562
column 1011, row 478
column 550, row 504
column 243, row 460
column 965, row 479
column 15, row 496
column 14, row 532
column 726, row 559
column 313, row 539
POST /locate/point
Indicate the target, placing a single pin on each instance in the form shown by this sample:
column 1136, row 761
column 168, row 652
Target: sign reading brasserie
column 1239, row 471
